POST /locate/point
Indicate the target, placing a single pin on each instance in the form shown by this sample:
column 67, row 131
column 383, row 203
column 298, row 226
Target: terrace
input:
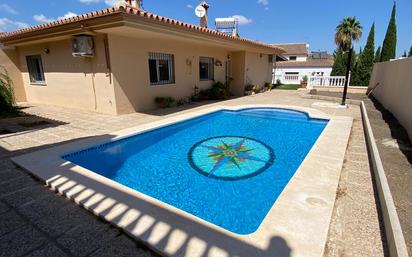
column 37, row 222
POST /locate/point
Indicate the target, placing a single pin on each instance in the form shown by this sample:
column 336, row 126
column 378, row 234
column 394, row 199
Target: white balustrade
column 318, row 81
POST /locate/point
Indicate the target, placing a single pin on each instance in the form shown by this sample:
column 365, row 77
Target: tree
column 338, row 68
column 364, row 66
column 340, row 61
column 404, row 54
column 378, row 55
column 389, row 43
column 410, row 52
column 7, row 101
column 348, row 30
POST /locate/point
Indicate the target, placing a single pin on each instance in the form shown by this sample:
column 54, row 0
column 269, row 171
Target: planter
column 303, row 84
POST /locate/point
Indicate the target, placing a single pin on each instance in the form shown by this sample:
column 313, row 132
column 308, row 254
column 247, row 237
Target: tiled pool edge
column 300, row 216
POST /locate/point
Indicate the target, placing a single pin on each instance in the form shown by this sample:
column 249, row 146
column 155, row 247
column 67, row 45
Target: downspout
column 107, row 55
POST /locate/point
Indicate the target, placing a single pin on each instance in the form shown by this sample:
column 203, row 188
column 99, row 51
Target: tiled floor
column 36, row 222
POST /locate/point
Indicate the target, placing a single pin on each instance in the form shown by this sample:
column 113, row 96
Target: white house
column 297, row 62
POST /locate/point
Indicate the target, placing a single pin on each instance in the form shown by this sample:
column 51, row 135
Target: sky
column 270, row 21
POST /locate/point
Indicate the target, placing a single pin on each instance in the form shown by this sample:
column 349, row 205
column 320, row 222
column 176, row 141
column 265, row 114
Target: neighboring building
column 118, row 60
column 298, row 62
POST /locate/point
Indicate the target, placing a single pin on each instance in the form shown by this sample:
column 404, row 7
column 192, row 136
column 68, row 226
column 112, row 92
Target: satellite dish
column 200, row 11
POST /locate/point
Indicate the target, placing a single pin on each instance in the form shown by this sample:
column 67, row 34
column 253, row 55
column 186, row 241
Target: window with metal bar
column 161, row 68
column 206, row 68
column 35, row 68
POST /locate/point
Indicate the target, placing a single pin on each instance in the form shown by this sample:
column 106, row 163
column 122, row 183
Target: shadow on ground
column 26, row 123
column 397, row 131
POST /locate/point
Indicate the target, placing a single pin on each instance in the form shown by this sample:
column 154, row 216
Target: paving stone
column 122, row 246
column 17, row 184
column 54, row 215
column 6, row 164
column 10, row 174
column 85, row 239
column 20, row 242
column 3, row 207
column 10, row 221
column 25, row 196
column 49, row 250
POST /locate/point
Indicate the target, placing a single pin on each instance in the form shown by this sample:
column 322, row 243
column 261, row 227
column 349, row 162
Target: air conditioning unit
column 83, row 46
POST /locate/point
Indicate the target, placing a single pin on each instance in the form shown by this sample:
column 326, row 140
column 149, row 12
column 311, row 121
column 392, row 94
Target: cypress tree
column 410, row 52
column 378, row 55
column 339, row 65
column 389, row 43
column 363, row 69
column 404, row 54
column 340, row 61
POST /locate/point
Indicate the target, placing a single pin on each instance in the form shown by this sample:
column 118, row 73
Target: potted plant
column 304, row 82
column 250, row 89
column 164, row 102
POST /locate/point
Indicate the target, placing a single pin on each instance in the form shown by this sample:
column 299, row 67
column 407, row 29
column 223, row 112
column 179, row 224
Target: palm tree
column 348, row 30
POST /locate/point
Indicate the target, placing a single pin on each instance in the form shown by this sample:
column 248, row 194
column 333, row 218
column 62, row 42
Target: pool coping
column 296, row 225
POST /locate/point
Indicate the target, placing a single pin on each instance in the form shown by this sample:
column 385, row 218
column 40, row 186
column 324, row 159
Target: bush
column 250, row 87
column 305, row 79
column 219, row 91
column 7, row 101
column 269, row 86
column 164, row 102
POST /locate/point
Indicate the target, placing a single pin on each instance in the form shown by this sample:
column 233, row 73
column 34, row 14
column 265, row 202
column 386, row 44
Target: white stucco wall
column 299, row 58
column 302, row 71
column 391, row 83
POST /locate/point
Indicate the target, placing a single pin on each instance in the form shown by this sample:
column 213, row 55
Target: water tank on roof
column 227, row 25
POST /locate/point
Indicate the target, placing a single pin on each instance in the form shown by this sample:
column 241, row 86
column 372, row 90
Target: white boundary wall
column 391, row 85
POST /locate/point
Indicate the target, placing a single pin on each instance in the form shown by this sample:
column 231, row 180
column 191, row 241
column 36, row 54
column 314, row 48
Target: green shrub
column 219, row 91
column 250, row 87
column 269, row 86
column 305, row 79
column 7, row 101
column 164, row 102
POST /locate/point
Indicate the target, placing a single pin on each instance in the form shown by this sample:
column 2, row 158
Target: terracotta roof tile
column 22, row 33
column 295, row 48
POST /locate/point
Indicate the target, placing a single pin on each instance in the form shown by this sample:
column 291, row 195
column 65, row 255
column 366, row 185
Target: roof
column 309, row 63
column 294, row 48
column 122, row 13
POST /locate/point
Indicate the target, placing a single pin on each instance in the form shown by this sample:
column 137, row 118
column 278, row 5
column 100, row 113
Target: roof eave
column 116, row 17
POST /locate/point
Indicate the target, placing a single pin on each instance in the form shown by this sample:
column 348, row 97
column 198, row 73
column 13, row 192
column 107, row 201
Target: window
column 292, row 73
column 292, row 58
column 206, row 68
column 35, row 68
column 161, row 68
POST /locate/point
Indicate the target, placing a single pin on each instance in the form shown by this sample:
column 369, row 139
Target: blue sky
column 272, row 21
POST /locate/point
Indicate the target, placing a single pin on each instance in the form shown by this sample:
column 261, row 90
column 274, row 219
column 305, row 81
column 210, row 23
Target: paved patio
column 36, row 222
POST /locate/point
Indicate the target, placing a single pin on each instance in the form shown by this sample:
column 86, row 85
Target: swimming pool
column 226, row 167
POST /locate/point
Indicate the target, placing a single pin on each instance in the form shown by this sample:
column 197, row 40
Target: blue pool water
column 227, row 167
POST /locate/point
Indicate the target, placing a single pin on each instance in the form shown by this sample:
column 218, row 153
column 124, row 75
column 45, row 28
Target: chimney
column 138, row 4
column 204, row 19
